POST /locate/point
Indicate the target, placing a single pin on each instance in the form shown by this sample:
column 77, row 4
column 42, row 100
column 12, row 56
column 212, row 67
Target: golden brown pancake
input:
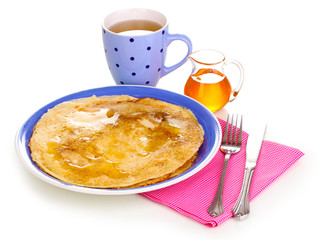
column 115, row 141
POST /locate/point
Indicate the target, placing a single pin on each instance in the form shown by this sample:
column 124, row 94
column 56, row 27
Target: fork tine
column 236, row 128
column 240, row 136
column 226, row 131
column 231, row 130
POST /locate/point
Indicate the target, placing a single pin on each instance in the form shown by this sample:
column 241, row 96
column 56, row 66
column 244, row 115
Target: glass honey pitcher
column 208, row 83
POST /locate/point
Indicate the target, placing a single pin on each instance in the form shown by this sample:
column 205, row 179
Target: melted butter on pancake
column 92, row 119
column 115, row 142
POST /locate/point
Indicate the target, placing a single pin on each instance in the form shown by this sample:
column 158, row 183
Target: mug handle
column 170, row 38
column 241, row 78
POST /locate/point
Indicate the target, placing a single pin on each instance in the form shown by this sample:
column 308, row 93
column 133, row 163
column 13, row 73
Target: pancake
column 116, row 141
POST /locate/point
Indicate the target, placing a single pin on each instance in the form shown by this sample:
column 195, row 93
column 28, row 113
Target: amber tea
column 135, row 25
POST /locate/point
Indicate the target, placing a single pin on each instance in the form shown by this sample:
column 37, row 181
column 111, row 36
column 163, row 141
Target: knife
column 254, row 141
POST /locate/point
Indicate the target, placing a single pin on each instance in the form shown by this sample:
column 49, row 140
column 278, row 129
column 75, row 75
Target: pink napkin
column 192, row 196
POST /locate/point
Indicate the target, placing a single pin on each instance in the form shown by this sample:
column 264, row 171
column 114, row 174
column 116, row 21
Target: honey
column 210, row 87
column 101, row 154
column 208, row 83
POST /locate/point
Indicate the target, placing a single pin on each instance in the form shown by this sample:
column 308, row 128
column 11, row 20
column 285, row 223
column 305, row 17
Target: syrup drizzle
column 90, row 149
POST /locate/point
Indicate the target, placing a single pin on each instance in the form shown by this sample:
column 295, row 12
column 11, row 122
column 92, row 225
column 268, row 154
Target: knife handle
column 241, row 208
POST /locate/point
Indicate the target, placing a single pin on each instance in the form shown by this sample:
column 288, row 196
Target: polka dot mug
column 135, row 43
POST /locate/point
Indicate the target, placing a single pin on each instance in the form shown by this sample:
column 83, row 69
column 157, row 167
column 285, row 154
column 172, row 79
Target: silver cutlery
column 241, row 208
column 231, row 144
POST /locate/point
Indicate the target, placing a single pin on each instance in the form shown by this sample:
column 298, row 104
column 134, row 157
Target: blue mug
column 135, row 43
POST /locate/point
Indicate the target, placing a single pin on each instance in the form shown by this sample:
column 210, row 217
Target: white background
column 49, row 49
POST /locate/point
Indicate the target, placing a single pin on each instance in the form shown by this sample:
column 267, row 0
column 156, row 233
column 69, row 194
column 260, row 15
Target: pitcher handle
column 241, row 78
column 170, row 38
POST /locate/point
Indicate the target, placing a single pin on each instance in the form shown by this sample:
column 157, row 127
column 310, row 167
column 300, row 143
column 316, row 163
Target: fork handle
column 241, row 208
column 216, row 208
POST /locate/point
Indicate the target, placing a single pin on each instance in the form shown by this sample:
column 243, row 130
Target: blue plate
column 205, row 117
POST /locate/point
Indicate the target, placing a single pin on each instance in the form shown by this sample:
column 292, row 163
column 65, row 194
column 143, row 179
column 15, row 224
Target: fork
column 231, row 144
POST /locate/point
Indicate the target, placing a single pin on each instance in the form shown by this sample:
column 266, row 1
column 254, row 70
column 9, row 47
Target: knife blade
column 254, row 142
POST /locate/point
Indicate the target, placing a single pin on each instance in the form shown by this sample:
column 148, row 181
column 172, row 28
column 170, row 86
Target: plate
column 205, row 117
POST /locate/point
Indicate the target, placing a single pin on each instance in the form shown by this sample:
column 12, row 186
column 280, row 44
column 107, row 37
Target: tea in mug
column 135, row 27
column 210, row 87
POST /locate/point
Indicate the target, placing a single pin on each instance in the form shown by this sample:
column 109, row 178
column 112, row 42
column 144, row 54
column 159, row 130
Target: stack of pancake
column 116, row 141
